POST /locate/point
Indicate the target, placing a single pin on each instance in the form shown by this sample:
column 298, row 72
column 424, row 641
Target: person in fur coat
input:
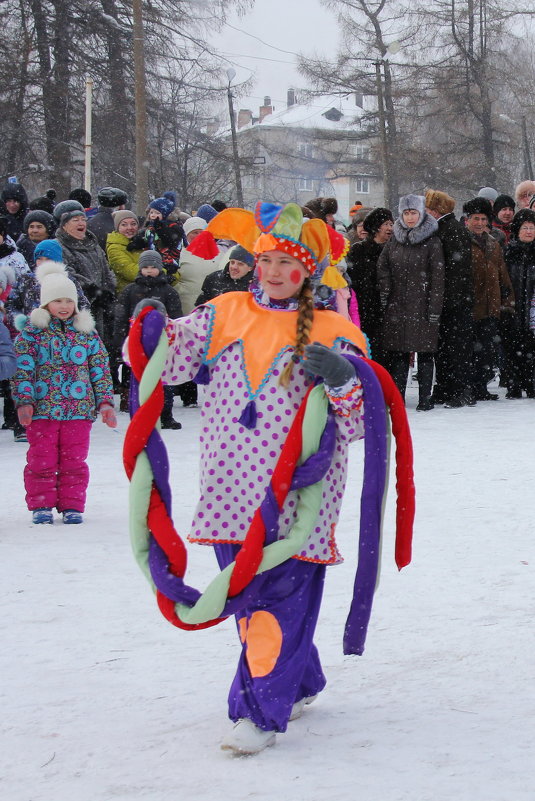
column 410, row 277
column 61, row 382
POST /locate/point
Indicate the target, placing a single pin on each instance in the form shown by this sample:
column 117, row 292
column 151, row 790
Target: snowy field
column 102, row 699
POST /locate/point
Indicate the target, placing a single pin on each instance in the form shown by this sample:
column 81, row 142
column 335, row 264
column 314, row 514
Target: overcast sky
column 290, row 25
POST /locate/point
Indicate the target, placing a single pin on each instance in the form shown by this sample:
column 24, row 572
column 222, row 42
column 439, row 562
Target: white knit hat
column 194, row 224
column 55, row 283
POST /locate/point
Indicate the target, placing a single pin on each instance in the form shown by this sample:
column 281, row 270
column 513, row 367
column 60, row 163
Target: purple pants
column 56, row 473
column 279, row 663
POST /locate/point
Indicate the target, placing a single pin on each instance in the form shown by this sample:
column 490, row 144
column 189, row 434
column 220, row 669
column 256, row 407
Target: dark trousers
column 399, row 370
column 187, row 392
column 453, row 359
column 483, row 353
column 519, row 348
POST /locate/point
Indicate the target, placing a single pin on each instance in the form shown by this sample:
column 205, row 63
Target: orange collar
column 265, row 334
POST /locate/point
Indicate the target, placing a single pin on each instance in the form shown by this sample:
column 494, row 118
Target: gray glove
column 157, row 304
column 333, row 368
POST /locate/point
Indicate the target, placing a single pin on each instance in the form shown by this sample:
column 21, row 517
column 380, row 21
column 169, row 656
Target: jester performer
column 265, row 355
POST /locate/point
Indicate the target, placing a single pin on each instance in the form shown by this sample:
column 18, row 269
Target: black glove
column 138, row 242
column 333, row 368
column 171, row 268
column 157, row 305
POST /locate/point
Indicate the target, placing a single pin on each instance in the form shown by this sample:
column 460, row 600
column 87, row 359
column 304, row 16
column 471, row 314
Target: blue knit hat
column 164, row 204
column 240, row 254
column 48, row 249
column 206, row 212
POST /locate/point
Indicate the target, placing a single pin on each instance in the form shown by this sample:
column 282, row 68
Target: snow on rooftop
column 331, row 112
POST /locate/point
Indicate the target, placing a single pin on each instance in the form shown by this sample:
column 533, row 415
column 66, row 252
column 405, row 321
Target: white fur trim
column 50, row 268
column 7, row 276
column 40, row 318
column 84, row 322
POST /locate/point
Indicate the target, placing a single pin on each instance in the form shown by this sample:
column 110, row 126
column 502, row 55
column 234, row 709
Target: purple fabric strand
column 315, row 467
column 170, row 585
column 375, row 462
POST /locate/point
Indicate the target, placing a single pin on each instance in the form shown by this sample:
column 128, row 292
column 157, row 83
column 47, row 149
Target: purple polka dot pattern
column 237, row 463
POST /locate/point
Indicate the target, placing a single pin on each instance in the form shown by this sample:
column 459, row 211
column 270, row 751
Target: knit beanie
column 164, row 204
column 440, row 202
column 522, row 216
column 44, row 203
column 82, row 196
column 150, row 258
column 478, row 205
column 503, row 202
column 206, row 212
column 67, row 206
column 122, row 214
column 240, row 254
column 55, row 284
column 375, row 218
column 488, row 193
column 48, row 249
column 110, row 196
column 40, row 217
column 194, row 224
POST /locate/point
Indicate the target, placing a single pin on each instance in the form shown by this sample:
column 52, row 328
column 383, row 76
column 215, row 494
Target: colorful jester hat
column 275, row 227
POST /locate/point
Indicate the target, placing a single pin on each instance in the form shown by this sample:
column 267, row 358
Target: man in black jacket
column 454, row 355
column 235, row 276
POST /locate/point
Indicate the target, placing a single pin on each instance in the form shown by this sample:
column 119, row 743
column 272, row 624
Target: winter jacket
column 362, row 270
column 410, row 276
column 27, row 247
column 15, row 221
column 62, row 368
column 24, row 295
column 520, row 262
column 497, row 225
column 220, row 282
column 493, row 290
column 123, row 262
column 193, row 271
column 101, row 224
column 166, row 236
column 7, row 354
column 145, row 286
column 457, row 246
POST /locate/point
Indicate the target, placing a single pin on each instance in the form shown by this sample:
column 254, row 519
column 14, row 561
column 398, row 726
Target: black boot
column 168, row 421
column 425, row 382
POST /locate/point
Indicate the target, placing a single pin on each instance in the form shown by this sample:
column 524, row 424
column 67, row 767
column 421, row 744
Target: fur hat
column 503, row 202
column 194, row 224
column 478, row 205
column 55, row 283
column 48, row 249
column 240, row 254
column 42, row 217
column 67, row 206
column 110, row 197
column 521, row 217
column 488, row 193
column 164, row 204
column 150, row 258
column 440, row 202
column 412, row 202
column 321, row 206
column 122, row 214
column 218, row 205
column 82, row 196
column 376, row 217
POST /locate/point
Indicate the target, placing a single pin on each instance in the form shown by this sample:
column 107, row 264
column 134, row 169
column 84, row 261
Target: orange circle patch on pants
column 263, row 638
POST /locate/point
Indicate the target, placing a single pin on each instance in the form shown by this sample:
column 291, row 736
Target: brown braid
column 305, row 318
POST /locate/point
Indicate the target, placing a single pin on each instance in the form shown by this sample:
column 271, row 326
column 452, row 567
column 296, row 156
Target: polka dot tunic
column 236, row 463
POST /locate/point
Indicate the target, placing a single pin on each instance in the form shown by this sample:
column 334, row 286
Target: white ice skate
column 246, row 738
column 298, row 707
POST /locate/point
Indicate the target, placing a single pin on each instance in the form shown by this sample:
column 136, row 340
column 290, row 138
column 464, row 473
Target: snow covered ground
column 102, row 699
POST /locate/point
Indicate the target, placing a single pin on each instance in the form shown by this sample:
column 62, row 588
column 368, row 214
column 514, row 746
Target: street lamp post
column 231, row 73
column 142, row 167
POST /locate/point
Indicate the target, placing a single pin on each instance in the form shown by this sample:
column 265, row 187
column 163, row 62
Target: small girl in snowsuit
column 62, row 380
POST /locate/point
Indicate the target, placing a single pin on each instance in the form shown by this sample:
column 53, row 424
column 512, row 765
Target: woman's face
column 13, row 206
column 37, row 232
column 361, row 233
column 193, row 235
column 128, row 227
column 384, row 232
column 526, row 232
column 76, row 226
column 411, row 217
column 280, row 275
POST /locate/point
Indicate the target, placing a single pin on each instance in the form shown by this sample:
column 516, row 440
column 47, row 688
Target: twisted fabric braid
column 305, row 318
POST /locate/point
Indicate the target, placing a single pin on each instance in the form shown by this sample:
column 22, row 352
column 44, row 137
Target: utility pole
column 88, row 133
column 235, row 155
column 385, row 155
column 528, row 167
column 142, row 164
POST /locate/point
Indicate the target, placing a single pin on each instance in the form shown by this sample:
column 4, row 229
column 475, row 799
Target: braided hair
column 305, row 317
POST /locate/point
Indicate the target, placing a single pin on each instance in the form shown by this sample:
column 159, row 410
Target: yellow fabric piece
column 266, row 333
column 236, row 224
column 333, row 278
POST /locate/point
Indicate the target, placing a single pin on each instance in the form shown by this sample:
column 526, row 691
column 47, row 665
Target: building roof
column 330, row 112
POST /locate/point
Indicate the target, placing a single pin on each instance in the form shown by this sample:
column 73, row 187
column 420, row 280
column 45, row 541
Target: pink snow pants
column 56, row 473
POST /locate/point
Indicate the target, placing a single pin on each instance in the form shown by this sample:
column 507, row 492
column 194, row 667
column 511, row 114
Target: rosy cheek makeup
column 259, row 272
column 295, row 276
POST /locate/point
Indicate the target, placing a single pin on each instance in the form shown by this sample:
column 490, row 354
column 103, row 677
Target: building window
column 362, row 151
column 362, row 186
column 305, row 150
column 306, row 184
